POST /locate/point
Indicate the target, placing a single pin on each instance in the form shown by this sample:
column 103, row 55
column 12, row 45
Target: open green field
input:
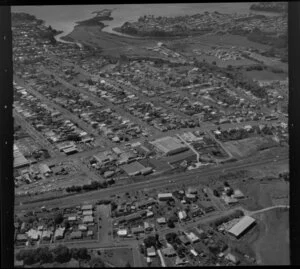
column 119, row 257
column 206, row 41
column 262, row 194
column 111, row 44
column 248, row 146
column 116, row 45
column 272, row 246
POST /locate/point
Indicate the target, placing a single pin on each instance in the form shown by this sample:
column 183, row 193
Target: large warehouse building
column 242, row 226
column 19, row 159
column 169, row 145
column 136, row 168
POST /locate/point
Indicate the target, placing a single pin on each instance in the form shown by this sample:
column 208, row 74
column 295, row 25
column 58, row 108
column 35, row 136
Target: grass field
column 205, row 41
column 111, row 44
column 118, row 257
column 272, row 246
column 248, row 146
column 262, row 194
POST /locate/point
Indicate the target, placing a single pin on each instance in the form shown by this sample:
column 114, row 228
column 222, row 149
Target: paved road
column 220, row 144
column 192, row 148
column 154, row 183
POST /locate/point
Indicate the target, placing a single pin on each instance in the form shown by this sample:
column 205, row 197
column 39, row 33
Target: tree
column 171, row 237
column 128, row 264
column 226, row 184
column 31, row 219
column 96, row 263
column 44, row 255
column 23, row 253
column 216, row 193
column 29, row 260
column 74, row 253
column 171, row 224
column 58, row 218
column 66, row 224
column 83, row 254
column 62, row 254
column 150, row 241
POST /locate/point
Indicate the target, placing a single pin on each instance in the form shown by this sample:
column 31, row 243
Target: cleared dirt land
column 246, row 147
column 272, row 246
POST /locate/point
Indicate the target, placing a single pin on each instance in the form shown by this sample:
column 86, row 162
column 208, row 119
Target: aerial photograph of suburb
column 151, row 135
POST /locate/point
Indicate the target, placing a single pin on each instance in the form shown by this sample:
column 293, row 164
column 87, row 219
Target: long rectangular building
column 242, row 226
column 169, row 145
column 19, row 159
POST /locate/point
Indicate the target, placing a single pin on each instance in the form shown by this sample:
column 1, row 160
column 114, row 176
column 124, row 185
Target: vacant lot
column 246, row 147
column 272, row 246
column 262, row 194
column 120, row 257
column 265, row 75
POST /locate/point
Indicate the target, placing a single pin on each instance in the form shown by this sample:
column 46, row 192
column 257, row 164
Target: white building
column 242, row 226
column 82, row 227
column 33, row 234
column 182, row 215
column 59, row 233
column 151, row 252
column 192, row 237
column 165, row 196
column 87, row 207
column 122, row 232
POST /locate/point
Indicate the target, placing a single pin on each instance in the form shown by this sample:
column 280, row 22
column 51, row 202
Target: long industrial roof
column 167, row 144
column 19, row 159
column 133, row 168
column 242, row 225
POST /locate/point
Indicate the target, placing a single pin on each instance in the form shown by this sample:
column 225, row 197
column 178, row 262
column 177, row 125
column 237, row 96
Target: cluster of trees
column 172, row 238
column 41, row 153
column 230, row 176
column 257, row 67
column 95, row 185
column 240, row 80
column 233, row 135
column 171, row 221
column 60, row 254
column 285, row 176
column 152, row 241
